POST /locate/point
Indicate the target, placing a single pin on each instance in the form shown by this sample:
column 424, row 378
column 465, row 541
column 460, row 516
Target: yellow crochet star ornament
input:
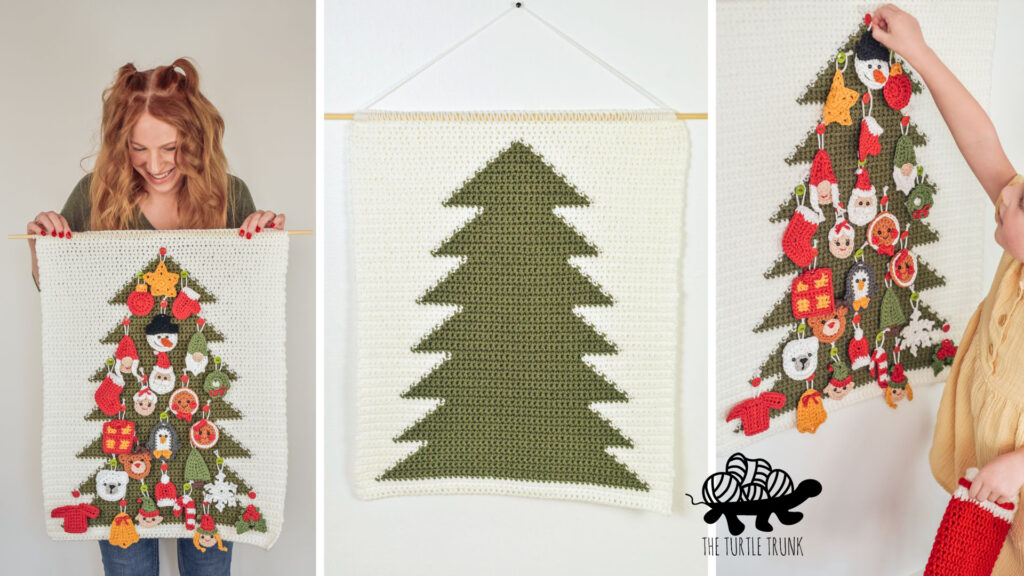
column 162, row 282
column 840, row 100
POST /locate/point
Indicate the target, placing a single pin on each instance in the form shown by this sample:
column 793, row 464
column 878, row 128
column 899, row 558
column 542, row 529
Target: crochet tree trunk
column 515, row 395
column 210, row 384
column 841, row 142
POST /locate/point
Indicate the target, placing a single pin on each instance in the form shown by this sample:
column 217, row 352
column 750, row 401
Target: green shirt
column 78, row 208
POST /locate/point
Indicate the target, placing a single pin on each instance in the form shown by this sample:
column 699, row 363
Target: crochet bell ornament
column 206, row 535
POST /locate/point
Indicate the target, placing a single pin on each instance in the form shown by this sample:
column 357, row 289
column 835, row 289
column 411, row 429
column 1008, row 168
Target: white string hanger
column 568, row 39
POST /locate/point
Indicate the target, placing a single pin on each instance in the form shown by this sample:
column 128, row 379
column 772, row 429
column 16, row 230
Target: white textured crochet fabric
column 247, row 277
column 631, row 167
column 768, row 53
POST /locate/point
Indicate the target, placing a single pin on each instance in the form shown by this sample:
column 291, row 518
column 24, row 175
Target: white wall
column 888, row 507
column 257, row 65
column 517, row 64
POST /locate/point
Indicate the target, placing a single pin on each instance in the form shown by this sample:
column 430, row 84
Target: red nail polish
column 258, row 229
column 241, row 232
column 248, row 236
column 271, row 225
column 69, row 235
column 61, row 235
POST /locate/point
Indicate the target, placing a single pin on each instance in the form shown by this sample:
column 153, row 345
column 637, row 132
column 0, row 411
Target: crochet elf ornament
column 207, row 535
column 862, row 162
column 178, row 401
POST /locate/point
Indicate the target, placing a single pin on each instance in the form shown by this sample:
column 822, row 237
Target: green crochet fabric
column 515, row 392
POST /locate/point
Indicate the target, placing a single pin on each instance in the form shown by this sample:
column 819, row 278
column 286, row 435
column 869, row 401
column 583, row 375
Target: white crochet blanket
column 482, row 407
column 241, row 284
column 768, row 53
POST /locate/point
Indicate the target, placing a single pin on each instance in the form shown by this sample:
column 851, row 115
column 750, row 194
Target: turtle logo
column 750, row 487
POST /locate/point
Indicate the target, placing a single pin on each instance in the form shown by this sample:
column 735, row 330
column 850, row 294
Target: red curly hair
column 170, row 94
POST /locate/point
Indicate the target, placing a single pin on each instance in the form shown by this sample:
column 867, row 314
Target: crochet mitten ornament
column 971, row 534
column 797, row 240
column 186, row 304
column 122, row 529
column 870, row 136
column 863, row 205
column 76, row 516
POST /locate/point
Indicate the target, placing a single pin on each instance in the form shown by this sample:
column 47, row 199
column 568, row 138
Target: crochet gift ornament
column 118, row 436
column 108, row 394
column 840, row 98
column 797, row 240
column 904, row 159
column 753, row 413
column 76, row 516
column 206, row 535
column 863, row 204
column 812, row 294
column 140, row 301
column 122, row 529
column 971, row 533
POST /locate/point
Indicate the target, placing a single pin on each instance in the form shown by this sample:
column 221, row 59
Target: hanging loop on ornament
column 833, row 353
column 915, row 299
column 186, row 489
column 905, row 125
column 164, row 417
column 183, row 278
column 113, row 463
column 880, row 339
column 122, row 505
column 802, row 328
column 216, row 362
column 220, row 461
column 809, row 383
column 867, row 99
column 843, row 58
column 163, row 253
column 858, row 256
column 800, row 191
column 814, row 264
column 143, row 489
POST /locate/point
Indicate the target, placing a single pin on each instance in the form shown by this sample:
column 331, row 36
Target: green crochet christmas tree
column 841, row 142
column 515, row 395
column 199, row 467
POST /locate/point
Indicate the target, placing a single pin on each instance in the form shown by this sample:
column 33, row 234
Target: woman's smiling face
column 152, row 148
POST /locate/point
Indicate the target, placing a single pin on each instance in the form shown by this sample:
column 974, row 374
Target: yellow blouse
column 982, row 411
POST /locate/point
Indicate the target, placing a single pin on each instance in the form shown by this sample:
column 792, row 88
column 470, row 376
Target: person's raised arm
column 971, row 127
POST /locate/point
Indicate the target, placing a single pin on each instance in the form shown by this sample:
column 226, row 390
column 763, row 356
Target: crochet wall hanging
column 856, row 298
column 164, row 386
column 518, row 303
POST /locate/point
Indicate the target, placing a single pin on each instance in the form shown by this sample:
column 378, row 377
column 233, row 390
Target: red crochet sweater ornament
column 971, row 534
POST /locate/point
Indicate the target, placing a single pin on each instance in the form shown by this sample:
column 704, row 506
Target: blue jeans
column 143, row 559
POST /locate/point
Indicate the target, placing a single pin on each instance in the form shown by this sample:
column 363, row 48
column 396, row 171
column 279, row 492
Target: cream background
column 257, row 65
column 659, row 44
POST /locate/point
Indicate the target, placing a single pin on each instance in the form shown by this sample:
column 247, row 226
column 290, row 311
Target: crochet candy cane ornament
column 187, row 301
column 971, row 534
column 870, row 131
column 823, row 183
column 753, row 413
column 879, row 366
column 186, row 506
column 899, row 388
column 797, row 240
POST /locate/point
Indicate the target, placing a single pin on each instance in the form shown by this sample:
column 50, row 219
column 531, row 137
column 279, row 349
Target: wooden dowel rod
column 679, row 116
column 34, row 236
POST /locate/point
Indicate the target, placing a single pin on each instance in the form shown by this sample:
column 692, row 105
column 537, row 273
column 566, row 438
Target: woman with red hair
column 160, row 166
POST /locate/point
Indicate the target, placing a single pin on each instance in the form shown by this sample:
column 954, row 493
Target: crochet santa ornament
column 824, row 185
column 161, row 379
column 863, row 204
column 971, row 533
